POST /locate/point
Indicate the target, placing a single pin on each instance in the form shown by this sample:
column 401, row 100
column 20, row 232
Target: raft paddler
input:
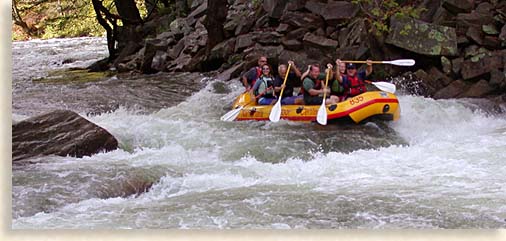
column 313, row 84
column 264, row 87
column 248, row 79
column 293, row 80
column 353, row 81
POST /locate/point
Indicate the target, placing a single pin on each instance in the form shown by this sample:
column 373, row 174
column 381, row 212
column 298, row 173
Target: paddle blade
column 384, row 86
column 275, row 114
column 321, row 117
column 401, row 62
column 232, row 115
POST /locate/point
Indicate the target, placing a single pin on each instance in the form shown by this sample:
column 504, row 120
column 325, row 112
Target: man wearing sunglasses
column 248, row 79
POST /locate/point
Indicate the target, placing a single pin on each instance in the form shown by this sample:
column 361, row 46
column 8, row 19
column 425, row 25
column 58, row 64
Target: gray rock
column 300, row 59
column 456, row 64
column 333, row 12
column 484, row 7
column 176, row 50
column 489, row 29
column 474, row 19
column 292, row 44
column 282, row 28
column 295, row 5
column 268, row 38
column 497, row 78
column 303, row 20
column 475, row 67
column 245, row 25
column 232, row 72
column 480, row 89
column 439, row 77
column 159, row 60
column 320, row 42
column 475, row 34
column 492, row 42
column 223, row 49
column 458, row 6
column 243, row 41
column 296, row 34
column 61, row 132
column 274, row 8
column 150, row 49
column 452, row 90
column 502, row 35
column 422, row 38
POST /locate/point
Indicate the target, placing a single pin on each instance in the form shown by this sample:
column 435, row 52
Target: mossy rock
column 74, row 76
column 422, row 38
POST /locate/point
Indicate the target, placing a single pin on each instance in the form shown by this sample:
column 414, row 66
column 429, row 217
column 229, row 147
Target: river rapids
column 442, row 165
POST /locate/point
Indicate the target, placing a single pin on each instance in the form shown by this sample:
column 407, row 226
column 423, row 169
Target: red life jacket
column 355, row 86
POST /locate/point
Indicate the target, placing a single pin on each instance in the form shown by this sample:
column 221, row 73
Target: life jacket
column 268, row 83
column 337, row 88
column 259, row 73
column 317, row 86
column 355, row 86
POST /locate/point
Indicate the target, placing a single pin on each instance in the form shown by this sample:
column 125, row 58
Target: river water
column 442, row 165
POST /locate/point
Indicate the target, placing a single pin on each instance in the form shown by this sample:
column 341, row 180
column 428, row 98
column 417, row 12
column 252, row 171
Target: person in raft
column 264, row 87
column 313, row 84
column 292, row 81
column 248, row 79
column 336, row 87
column 353, row 82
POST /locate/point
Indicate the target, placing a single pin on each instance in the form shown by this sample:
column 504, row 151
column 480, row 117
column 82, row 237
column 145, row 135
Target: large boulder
column 151, row 48
column 422, row 38
column 333, row 12
column 303, row 20
column 481, row 89
column 458, row 6
column 475, row 19
column 472, row 68
column 61, row 132
column 320, row 42
column 452, row 90
column 267, row 38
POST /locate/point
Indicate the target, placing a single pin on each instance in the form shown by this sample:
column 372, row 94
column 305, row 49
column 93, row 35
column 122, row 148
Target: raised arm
column 295, row 69
column 305, row 73
column 368, row 70
column 338, row 73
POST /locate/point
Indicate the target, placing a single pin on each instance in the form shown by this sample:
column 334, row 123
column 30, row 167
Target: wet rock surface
column 60, row 132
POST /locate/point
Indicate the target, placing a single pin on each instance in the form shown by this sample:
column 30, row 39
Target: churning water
column 442, row 165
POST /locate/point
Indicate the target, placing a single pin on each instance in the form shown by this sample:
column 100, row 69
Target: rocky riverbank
column 459, row 46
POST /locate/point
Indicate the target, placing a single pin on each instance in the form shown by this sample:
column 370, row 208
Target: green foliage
column 64, row 18
column 379, row 12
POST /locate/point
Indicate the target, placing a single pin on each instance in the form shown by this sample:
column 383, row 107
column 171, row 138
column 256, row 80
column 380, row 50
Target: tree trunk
column 110, row 30
column 128, row 12
column 216, row 16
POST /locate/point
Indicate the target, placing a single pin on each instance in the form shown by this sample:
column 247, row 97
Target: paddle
column 275, row 114
column 321, row 117
column 398, row 62
column 231, row 115
column 384, row 86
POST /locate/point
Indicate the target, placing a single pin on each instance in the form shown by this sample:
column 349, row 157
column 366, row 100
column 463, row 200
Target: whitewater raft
column 372, row 104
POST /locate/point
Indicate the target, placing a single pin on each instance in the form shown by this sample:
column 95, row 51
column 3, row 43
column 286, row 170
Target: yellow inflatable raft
column 370, row 104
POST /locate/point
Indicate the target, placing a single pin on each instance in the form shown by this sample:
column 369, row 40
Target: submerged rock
column 61, row 132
